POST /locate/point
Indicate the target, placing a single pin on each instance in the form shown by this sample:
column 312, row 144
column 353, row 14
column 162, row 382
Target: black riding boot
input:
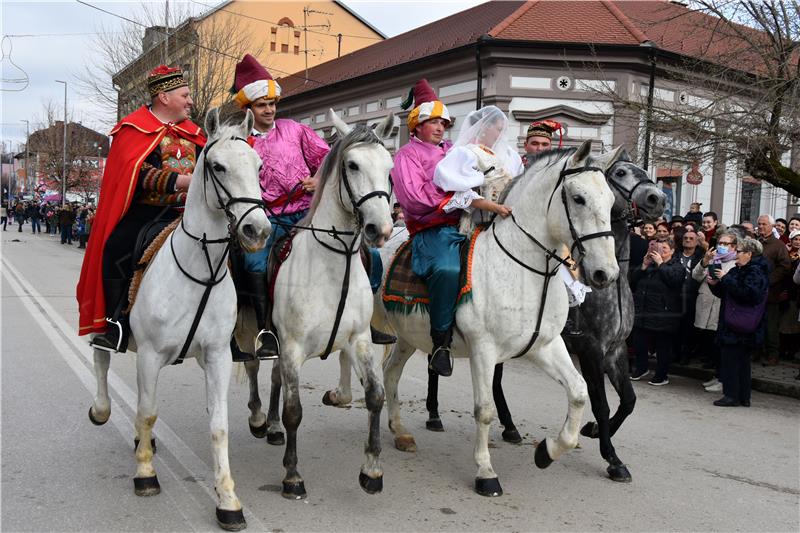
column 267, row 346
column 115, row 339
column 441, row 362
column 237, row 354
column 379, row 337
column 572, row 328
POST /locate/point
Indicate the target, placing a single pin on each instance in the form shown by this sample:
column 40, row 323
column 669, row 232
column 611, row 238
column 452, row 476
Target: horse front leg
column 342, row 395
column 554, row 359
column 148, row 365
column 619, row 375
column 291, row 360
column 482, row 368
column 257, row 420
column 218, row 375
column 392, row 370
column 100, row 410
column 371, row 476
column 274, row 433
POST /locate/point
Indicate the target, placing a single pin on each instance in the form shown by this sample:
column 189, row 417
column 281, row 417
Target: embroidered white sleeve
column 461, row 200
column 458, row 171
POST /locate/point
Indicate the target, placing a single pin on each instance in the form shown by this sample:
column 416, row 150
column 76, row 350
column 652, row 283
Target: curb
column 761, row 384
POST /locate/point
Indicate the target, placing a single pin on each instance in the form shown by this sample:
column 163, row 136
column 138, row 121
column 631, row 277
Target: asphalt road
column 695, row 467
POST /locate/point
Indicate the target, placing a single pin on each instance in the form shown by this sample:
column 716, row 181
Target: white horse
column 516, row 308
column 223, row 203
column 323, row 299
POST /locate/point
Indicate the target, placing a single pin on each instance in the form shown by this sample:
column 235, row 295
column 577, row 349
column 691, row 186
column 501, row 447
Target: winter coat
column 777, row 256
column 657, row 296
column 747, row 285
column 707, row 307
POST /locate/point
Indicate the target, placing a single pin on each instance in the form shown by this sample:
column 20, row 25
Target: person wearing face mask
column 723, row 258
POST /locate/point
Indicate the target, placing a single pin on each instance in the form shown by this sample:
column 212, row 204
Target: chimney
column 153, row 36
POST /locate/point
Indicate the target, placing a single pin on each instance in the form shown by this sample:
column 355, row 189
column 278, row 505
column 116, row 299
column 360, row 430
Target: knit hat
column 252, row 81
column 545, row 128
column 795, row 233
column 163, row 79
column 426, row 105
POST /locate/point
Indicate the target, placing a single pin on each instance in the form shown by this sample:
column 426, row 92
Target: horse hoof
column 276, row 439
column 294, row 490
column 146, row 486
column 97, row 421
column 370, row 485
column 327, row 399
column 231, row 520
column 512, row 436
column 258, row 432
column 590, row 430
column 541, row 457
column 152, row 444
column 434, row 424
column 405, row 443
column 488, row 487
column 619, row 473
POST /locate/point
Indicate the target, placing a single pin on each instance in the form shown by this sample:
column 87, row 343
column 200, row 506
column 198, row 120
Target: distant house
column 554, row 59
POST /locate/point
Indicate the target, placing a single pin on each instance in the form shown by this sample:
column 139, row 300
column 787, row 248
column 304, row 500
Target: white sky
column 46, row 57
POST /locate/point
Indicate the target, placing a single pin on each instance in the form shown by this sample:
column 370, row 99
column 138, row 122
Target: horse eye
column 620, row 173
column 352, row 166
column 217, row 167
column 578, row 200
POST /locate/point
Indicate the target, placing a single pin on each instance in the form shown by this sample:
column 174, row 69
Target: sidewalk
column 778, row 379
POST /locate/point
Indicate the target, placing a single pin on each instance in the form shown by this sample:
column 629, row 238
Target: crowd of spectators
column 71, row 221
column 726, row 297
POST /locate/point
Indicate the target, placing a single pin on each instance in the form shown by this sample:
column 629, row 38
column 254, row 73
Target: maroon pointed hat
column 252, row 81
column 426, row 105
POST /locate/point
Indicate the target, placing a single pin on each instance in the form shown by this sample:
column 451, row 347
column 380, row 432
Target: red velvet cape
column 135, row 137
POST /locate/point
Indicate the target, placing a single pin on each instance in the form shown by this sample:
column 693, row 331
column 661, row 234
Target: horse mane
column 543, row 159
column 332, row 164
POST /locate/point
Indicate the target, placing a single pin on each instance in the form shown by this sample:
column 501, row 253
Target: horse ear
column 247, row 124
column 384, row 128
column 605, row 161
column 212, row 122
column 340, row 125
column 582, row 153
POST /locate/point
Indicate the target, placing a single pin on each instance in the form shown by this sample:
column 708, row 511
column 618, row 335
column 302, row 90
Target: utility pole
column 64, row 160
column 27, row 151
column 166, row 33
column 339, row 45
column 306, row 12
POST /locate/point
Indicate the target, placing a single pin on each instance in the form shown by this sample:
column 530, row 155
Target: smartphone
column 713, row 270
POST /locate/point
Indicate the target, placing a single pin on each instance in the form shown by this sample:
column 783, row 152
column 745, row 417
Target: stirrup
column 102, row 337
column 259, row 346
column 444, row 372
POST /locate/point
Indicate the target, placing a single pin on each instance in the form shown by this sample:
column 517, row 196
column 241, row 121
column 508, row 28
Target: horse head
column 631, row 186
column 229, row 169
column 586, row 202
column 362, row 164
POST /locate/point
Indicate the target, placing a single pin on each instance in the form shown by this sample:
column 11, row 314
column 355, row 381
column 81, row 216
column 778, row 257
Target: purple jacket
column 290, row 152
column 421, row 200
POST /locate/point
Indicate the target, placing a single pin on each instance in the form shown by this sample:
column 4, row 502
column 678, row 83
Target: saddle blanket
column 405, row 292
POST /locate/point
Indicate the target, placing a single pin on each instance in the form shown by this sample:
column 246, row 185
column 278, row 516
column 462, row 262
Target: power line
column 18, row 35
column 187, row 41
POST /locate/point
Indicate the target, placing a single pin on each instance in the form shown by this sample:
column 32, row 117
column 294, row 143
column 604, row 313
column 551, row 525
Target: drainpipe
column 479, row 93
column 650, row 93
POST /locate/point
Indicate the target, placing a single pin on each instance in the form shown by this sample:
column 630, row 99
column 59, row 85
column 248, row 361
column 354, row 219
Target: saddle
column 150, row 240
column 405, row 292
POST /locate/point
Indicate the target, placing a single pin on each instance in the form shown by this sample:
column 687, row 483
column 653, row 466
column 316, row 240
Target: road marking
column 79, row 360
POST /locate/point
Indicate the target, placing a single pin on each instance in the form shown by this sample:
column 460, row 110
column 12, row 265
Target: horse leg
column 274, row 433
column 291, row 359
column 618, row 374
column 257, row 420
column 342, row 395
column 392, row 370
column 510, row 433
column 434, row 423
column 145, row 482
column 218, row 376
column 100, row 411
column 554, row 359
column 371, row 476
column 482, row 369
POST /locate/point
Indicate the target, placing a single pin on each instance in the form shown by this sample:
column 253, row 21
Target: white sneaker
column 716, row 387
column 710, row 382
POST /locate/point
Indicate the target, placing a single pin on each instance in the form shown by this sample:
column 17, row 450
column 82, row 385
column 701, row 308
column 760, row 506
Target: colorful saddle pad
column 405, row 292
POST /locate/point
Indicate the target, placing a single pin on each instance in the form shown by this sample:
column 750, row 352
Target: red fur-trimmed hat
column 252, row 81
column 545, row 128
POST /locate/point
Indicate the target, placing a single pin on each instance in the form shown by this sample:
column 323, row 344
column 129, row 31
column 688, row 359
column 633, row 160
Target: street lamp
column 27, row 139
column 64, row 160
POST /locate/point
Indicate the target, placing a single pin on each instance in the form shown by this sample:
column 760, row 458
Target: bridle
column 631, row 210
column 214, row 275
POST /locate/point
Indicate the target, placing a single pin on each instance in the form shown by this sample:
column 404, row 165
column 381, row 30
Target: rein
column 214, row 276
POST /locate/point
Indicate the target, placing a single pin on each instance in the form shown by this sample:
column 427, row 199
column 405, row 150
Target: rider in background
column 146, row 177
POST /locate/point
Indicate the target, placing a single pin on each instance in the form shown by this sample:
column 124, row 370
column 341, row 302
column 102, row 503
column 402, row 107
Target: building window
column 751, row 200
column 273, row 39
column 296, row 42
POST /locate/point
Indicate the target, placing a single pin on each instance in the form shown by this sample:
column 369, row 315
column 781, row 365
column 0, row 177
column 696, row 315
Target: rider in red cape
column 135, row 139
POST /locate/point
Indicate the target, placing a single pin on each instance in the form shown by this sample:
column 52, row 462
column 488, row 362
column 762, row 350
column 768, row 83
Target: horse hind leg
column 371, row 475
column 146, row 482
column 293, row 485
column 257, row 420
column 275, row 436
column 100, row 410
column 556, row 363
column 392, row 370
column 510, row 433
column 342, row 395
column 434, row 422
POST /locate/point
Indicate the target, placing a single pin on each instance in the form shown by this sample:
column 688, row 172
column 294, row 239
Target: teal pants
column 435, row 257
column 257, row 261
